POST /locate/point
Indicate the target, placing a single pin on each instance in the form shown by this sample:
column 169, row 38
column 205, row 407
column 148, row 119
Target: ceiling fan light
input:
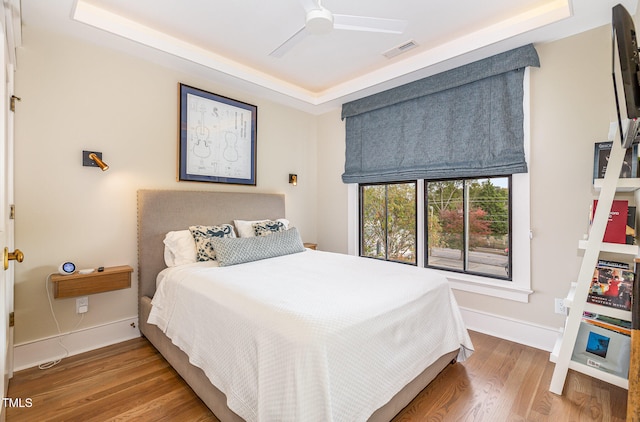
column 319, row 21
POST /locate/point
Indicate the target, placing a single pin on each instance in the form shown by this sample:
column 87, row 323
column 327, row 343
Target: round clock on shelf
column 67, row 268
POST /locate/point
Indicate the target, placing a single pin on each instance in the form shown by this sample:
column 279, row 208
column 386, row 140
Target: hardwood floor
column 502, row 381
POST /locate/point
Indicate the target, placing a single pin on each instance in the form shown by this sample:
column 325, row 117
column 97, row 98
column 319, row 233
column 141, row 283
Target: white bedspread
column 313, row 336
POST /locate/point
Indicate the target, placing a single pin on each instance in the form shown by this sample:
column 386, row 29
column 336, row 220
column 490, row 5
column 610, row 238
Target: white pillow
column 179, row 248
column 244, row 228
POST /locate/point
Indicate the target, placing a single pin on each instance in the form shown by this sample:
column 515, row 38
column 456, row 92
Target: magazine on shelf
column 601, row 158
column 616, row 229
column 603, row 349
column 611, row 287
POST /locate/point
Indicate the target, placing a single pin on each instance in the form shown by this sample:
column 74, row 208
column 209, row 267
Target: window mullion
column 421, row 232
column 465, row 225
column 386, row 222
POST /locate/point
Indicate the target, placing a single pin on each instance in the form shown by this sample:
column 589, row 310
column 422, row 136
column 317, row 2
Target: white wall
column 79, row 97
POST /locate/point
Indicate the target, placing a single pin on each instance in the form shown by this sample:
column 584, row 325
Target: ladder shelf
column 576, row 300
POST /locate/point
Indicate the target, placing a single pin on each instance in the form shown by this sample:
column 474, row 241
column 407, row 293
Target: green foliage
column 389, row 217
column 494, row 200
column 401, row 214
column 444, row 195
column 389, row 221
column 374, row 221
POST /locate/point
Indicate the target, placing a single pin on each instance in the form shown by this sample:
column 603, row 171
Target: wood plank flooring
column 502, row 381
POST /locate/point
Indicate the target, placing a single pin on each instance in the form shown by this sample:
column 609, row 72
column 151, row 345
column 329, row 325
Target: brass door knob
column 16, row 255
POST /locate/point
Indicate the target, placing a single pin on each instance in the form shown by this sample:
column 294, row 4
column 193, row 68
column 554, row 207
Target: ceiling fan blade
column 364, row 23
column 288, row 44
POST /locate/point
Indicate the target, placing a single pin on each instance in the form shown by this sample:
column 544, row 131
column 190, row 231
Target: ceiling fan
column 322, row 21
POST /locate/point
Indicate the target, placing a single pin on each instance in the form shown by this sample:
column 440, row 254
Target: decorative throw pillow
column 264, row 228
column 203, row 235
column 246, row 249
column 244, row 228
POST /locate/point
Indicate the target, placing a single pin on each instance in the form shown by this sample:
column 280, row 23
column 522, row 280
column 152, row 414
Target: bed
column 325, row 370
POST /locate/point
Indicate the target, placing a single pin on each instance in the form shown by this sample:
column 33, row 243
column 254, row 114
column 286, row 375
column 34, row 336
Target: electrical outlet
column 560, row 308
column 82, row 304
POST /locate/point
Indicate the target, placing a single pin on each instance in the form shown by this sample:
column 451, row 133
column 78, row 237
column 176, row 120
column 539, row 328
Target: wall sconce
column 293, row 179
column 94, row 159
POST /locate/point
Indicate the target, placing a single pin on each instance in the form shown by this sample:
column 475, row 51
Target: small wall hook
column 12, row 102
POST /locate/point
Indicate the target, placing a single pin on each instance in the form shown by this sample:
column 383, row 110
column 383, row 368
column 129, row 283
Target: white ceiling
column 231, row 40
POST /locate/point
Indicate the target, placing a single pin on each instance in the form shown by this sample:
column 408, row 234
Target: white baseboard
column 30, row 354
column 521, row 332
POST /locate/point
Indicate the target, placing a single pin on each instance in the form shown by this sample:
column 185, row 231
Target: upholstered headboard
column 161, row 211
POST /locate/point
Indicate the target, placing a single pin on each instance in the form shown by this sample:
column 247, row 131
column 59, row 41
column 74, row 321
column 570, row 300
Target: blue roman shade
column 464, row 122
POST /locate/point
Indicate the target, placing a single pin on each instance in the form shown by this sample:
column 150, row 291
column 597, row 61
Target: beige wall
column 79, row 97
column 332, row 193
column 76, row 96
column 572, row 104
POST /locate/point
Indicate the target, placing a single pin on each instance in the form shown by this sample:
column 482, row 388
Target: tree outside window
column 388, row 221
column 468, row 225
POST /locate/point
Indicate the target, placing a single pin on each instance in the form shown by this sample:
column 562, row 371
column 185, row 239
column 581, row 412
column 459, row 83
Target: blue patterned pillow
column 246, row 249
column 203, row 235
column 264, row 228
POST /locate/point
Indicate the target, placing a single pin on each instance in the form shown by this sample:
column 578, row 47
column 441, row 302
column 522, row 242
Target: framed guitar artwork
column 217, row 138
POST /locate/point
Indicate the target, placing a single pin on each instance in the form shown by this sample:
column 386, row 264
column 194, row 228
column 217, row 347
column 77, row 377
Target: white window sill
column 487, row 286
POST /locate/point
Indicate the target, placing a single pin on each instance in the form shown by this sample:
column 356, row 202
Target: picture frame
column 217, row 138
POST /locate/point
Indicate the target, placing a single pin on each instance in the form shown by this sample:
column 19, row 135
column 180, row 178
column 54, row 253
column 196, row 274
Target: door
column 6, row 233
column 10, row 37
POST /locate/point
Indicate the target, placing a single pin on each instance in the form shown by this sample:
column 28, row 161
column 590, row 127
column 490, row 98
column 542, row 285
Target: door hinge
column 12, row 102
column 12, row 212
column 12, row 319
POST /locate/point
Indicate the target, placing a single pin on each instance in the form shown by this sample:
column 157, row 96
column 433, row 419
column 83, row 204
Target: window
column 468, row 226
column 388, row 221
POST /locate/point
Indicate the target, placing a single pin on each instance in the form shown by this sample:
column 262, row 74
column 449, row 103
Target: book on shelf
column 630, row 238
column 601, row 159
column 613, row 264
column 616, row 229
column 610, row 323
column 611, row 287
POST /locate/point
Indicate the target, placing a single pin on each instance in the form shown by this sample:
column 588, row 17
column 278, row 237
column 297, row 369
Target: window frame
column 465, row 196
column 361, row 211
